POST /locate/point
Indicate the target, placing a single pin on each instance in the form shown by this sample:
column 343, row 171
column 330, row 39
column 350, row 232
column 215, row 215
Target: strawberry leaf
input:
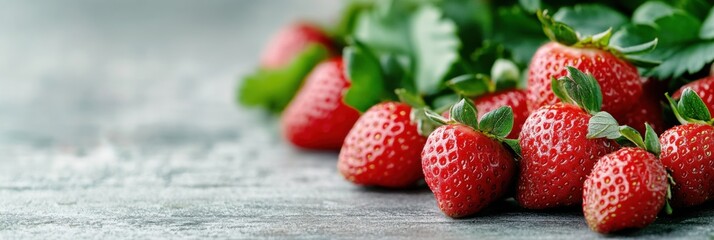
column 365, row 73
column 590, row 19
column 513, row 145
column 691, row 106
column 465, row 112
column 273, row 89
column 652, row 141
column 409, row 98
column 530, row 5
column 557, row 31
column 519, row 33
column 603, row 125
column 579, row 88
column 707, row 31
column 633, row 135
column 470, row 85
column 436, row 48
column 384, row 29
column 435, row 117
column 650, row 11
column 498, row 122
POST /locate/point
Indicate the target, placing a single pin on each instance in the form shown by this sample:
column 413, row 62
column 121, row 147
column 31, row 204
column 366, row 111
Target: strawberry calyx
column 603, row 125
column 496, row 124
column 418, row 113
column 579, row 89
column 566, row 35
column 690, row 108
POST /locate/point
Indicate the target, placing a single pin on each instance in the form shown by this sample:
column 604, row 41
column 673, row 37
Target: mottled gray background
column 117, row 120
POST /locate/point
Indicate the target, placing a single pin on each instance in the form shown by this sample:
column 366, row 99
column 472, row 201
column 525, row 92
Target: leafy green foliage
column 652, row 141
column 519, row 32
column 273, row 89
column 603, row 125
column 691, row 106
column 470, row 85
column 435, row 48
column 365, row 73
column 498, row 122
column 590, row 19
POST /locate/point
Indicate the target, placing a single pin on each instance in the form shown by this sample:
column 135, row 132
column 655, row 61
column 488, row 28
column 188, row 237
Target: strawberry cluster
column 427, row 112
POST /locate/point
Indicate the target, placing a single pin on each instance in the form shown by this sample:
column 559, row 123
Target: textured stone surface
column 117, row 121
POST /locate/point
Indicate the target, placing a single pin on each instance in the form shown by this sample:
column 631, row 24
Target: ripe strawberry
column 556, row 154
column 465, row 164
column 688, row 151
column 618, row 78
column 290, row 41
column 514, row 98
column 647, row 109
column 626, row 189
column 317, row 118
column 383, row 148
column 704, row 88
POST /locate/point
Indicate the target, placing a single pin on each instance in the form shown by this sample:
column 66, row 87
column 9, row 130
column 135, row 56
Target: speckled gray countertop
column 117, row 121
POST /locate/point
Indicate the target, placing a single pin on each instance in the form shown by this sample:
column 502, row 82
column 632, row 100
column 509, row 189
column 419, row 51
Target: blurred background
column 74, row 72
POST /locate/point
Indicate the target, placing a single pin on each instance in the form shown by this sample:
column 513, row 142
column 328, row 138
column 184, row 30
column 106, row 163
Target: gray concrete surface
column 117, row 121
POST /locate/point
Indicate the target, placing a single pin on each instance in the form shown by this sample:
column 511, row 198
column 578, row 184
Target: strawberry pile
column 607, row 106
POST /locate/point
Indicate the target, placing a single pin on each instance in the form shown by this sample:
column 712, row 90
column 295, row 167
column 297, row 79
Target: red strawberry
column 704, row 88
column 465, row 167
column 688, row 152
column 556, row 154
column 647, row 109
column 290, row 41
column 514, row 98
column 383, row 148
column 626, row 189
column 317, row 118
column 618, row 78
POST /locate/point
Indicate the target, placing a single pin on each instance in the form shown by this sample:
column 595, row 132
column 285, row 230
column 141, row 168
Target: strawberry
column 513, row 98
column 626, row 188
column 647, row 109
column 556, row 155
column 383, row 148
column 704, row 88
column 618, row 78
column 688, row 151
column 465, row 162
column 317, row 118
column 290, row 41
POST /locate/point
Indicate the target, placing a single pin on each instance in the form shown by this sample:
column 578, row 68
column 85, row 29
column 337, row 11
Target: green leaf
column 273, row 89
column 652, row 141
column 519, row 32
column 590, row 19
column 474, row 21
column 650, row 11
column 444, row 102
column 691, row 106
column 557, row 31
column 436, row 48
column 707, row 31
column 633, row 34
column 465, row 112
column 470, row 85
column 384, row 29
column 677, row 28
column 581, row 89
column 513, row 145
column 633, row 135
column 410, row 98
column 603, row 125
column 639, row 49
column 530, row 5
column 498, row 122
column 425, row 123
column 364, row 71
column 395, row 73
column 678, row 60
